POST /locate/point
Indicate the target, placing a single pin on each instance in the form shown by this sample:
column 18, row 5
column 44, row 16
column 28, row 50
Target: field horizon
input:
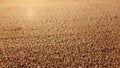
column 62, row 34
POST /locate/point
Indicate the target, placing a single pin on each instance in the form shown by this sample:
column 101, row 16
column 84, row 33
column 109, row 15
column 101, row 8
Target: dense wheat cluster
column 60, row 34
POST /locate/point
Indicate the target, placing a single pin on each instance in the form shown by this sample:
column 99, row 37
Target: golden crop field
column 59, row 34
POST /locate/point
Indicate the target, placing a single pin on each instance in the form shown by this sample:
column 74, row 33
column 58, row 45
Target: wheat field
column 62, row 34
